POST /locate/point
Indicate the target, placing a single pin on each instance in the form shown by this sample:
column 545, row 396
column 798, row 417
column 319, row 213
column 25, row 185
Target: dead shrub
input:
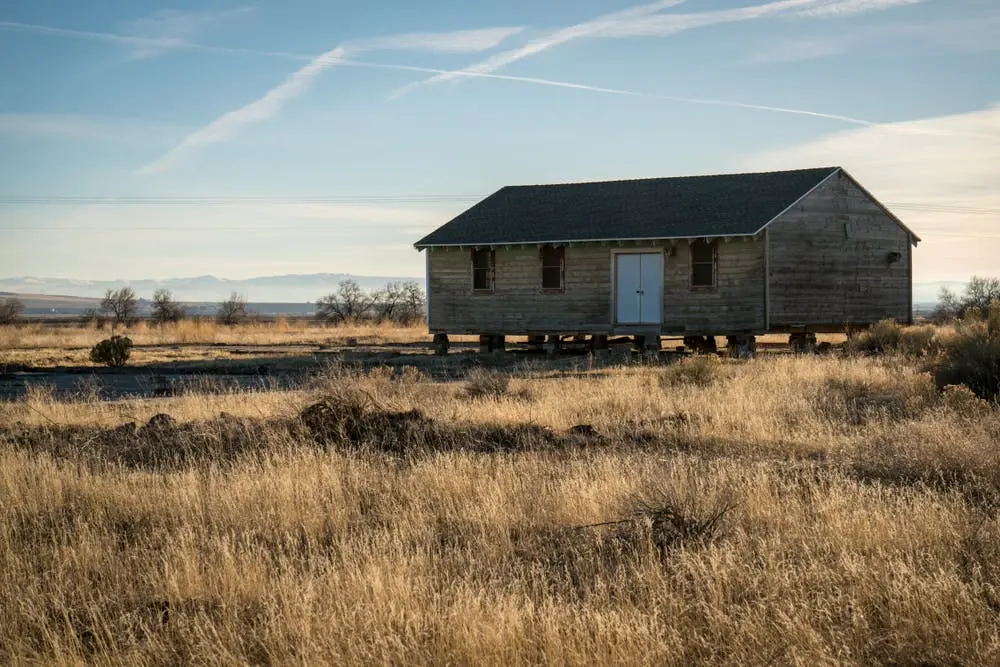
column 972, row 358
column 962, row 401
column 668, row 518
column 883, row 336
column 699, row 371
column 676, row 520
column 918, row 341
column 888, row 336
column 492, row 385
column 486, row 384
column 857, row 402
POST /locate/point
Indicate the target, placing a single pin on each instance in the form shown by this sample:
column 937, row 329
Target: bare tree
column 414, row 303
column 121, row 305
column 349, row 303
column 10, row 310
column 979, row 295
column 233, row 310
column 388, row 301
column 165, row 309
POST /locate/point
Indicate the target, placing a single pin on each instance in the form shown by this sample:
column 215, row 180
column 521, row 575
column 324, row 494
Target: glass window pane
column 552, row 277
column 702, row 252
column 703, row 275
column 552, row 256
column 481, row 279
column 481, row 259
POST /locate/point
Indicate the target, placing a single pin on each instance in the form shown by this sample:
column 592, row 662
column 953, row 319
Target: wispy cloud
column 971, row 32
column 938, row 174
column 837, row 8
column 87, row 128
column 548, row 41
column 270, row 103
column 140, row 43
column 460, row 41
column 170, row 28
column 664, row 25
column 650, row 21
column 227, row 125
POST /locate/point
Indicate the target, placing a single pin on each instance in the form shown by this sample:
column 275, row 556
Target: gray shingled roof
column 653, row 208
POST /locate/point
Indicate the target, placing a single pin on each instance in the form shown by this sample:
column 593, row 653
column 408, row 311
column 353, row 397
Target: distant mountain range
column 278, row 289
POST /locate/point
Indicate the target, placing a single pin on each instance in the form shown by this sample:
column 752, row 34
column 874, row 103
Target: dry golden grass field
column 807, row 510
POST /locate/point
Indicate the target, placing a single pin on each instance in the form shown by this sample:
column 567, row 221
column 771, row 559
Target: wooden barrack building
column 735, row 255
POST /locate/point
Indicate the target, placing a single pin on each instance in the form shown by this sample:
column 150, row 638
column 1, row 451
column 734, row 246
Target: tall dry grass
column 281, row 331
column 864, row 531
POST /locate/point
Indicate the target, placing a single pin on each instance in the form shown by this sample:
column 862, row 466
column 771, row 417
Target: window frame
column 490, row 269
column 714, row 263
column 561, row 250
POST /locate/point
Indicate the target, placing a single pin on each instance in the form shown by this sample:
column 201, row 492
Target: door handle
column 639, row 291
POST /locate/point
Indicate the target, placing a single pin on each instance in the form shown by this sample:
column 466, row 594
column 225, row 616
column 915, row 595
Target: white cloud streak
column 173, row 28
column 649, row 21
column 664, row 25
column 138, row 43
column 87, row 128
column 839, row 8
column 229, row 124
column 549, row 41
column 460, row 41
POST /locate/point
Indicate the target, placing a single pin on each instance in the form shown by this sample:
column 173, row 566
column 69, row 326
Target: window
column 553, row 265
column 703, row 263
column 483, row 270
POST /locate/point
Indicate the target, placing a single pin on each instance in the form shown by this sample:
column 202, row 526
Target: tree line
column 399, row 302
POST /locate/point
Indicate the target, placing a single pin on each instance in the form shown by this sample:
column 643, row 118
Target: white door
column 639, row 287
column 652, row 289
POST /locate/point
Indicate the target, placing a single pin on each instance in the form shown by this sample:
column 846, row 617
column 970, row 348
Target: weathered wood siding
column 518, row 304
column 828, row 261
column 734, row 305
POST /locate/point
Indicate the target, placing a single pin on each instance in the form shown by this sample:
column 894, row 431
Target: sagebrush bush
column 700, row 371
column 971, row 357
column 494, row 385
column 113, row 351
column 889, row 336
column 487, row 384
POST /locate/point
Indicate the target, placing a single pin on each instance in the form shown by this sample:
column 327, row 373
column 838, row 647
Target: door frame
column 638, row 250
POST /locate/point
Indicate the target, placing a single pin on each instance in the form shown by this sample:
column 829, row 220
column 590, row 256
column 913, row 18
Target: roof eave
column 422, row 246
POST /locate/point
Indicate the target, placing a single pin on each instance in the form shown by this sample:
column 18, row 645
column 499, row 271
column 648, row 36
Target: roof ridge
column 829, row 169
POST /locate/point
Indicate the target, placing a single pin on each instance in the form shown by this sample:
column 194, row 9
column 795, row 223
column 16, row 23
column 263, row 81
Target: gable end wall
column 828, row 261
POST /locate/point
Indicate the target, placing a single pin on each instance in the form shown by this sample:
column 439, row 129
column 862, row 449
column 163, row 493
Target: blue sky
column 155, row 140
